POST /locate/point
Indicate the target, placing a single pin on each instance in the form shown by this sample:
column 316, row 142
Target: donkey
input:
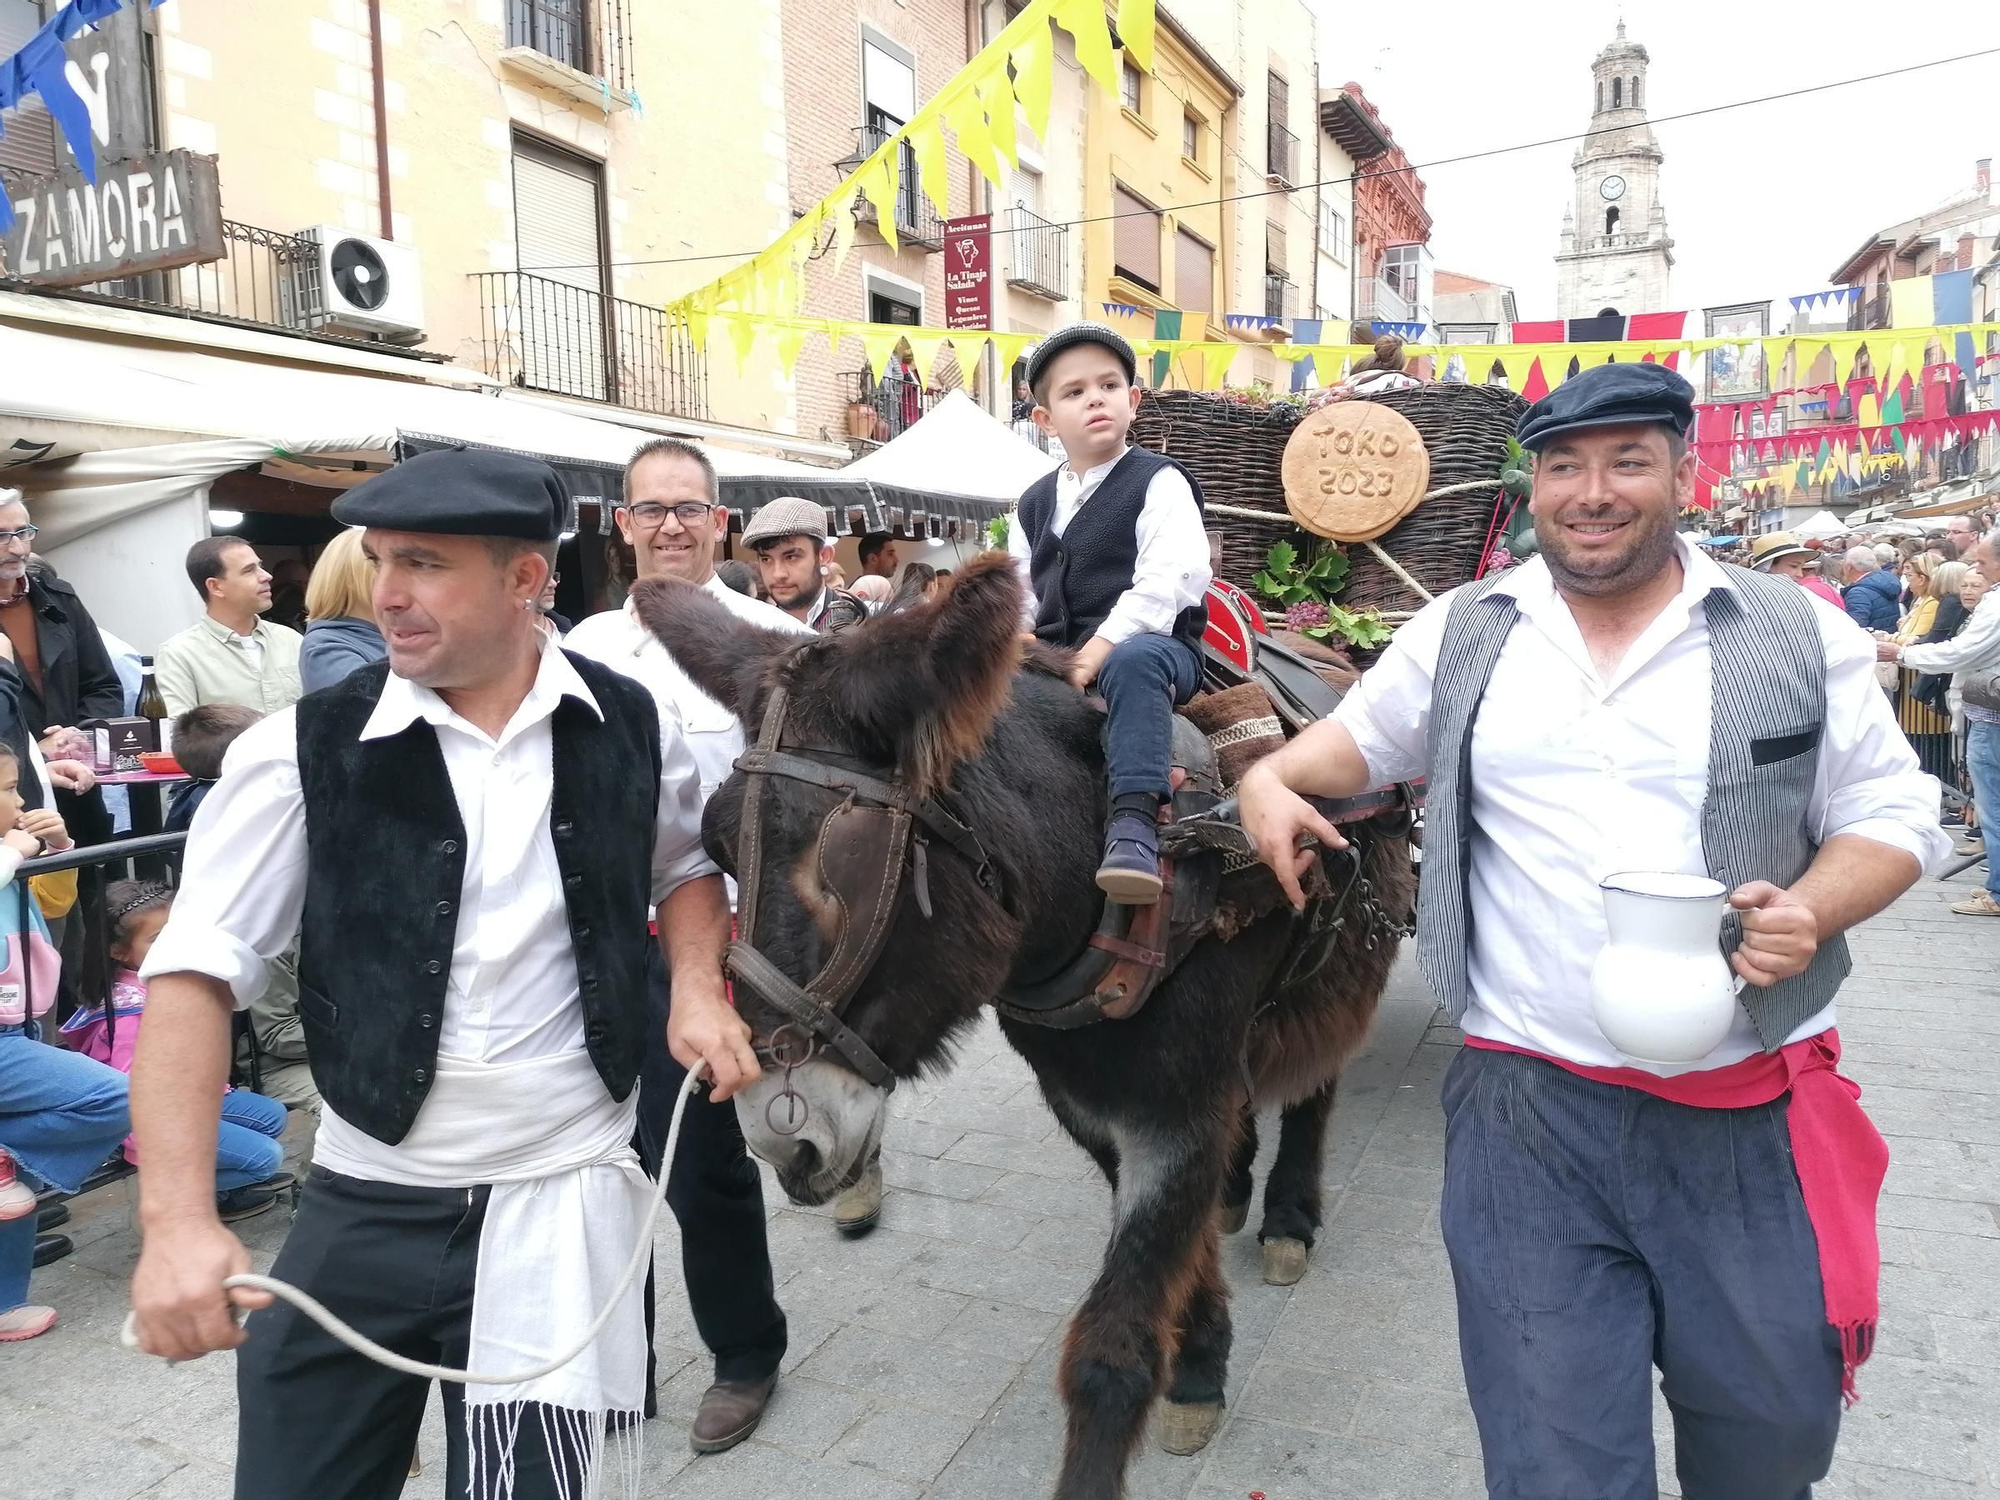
column 948, row 701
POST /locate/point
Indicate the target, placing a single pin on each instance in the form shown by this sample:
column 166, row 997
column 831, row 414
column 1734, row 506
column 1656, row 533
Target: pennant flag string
column 1531, row 369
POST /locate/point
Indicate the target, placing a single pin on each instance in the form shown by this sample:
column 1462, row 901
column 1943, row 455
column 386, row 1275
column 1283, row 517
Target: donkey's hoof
column 1284, row 1261
column 1235, row 1216
column 1186, row 1429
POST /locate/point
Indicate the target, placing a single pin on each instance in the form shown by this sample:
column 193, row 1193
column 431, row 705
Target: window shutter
column 1135, row 238
column 1276, row 263
column 30, row 148
column 559, row 246
column 1194, row 274
column 1027, row 189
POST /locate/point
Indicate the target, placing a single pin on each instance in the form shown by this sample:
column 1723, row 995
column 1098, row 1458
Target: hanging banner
column 968, row 272
column 1736, row 364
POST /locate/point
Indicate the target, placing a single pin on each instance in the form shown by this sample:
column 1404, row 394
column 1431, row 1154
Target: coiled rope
column 361, row 1344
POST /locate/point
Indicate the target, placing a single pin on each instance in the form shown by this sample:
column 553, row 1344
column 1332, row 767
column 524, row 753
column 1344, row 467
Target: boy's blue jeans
column 1141, row 682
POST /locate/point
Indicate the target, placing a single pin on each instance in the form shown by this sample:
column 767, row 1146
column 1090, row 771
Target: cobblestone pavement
column 923, row 1357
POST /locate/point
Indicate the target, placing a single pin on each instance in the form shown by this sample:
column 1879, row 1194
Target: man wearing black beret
column 467, row 839
column 1625, row 715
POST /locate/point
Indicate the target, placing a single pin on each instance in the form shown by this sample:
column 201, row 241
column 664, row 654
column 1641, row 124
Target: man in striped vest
column 1624, row 703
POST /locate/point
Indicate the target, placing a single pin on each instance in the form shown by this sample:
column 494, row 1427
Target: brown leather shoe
column 730, row 1411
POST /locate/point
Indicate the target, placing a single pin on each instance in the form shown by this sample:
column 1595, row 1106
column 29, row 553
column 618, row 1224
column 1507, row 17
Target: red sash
column 1838, row 1153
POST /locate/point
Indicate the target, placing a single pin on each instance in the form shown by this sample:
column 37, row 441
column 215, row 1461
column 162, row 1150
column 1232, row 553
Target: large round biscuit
column 1353, row 470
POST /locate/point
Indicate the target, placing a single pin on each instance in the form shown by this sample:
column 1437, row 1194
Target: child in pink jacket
column 247, row 1156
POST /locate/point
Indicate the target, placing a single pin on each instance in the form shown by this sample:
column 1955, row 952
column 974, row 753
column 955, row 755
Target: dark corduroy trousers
column 1597, row 1232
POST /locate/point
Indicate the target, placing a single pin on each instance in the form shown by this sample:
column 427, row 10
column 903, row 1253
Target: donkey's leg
column 1240, row 1186
column 1291, row 1195
column 1193, row 1408
column 1122, row 1339
column 1088, row 1132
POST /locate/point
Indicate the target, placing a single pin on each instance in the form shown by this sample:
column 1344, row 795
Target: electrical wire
column 1357, row 176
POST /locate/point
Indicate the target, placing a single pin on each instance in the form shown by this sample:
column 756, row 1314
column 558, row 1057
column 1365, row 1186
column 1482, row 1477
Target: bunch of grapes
column 1308, row 614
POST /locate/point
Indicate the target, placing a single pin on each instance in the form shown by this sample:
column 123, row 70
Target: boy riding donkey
column 1116, row 557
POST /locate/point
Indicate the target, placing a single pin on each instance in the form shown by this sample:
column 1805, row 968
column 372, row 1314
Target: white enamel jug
column 1661, row 991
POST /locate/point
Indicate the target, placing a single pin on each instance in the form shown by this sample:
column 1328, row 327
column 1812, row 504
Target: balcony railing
column 1040, row 254
column 1375, row 300
column 591, row 36
column 917, row 223
column 1872, row 313
column 889, row 406
column 1281, row 297
column 1282, row 155
column 264, row 279
column 547, row 335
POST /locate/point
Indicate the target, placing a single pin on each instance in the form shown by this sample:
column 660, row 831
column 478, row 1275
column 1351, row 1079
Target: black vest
column 385, row 865
column 1079, row 575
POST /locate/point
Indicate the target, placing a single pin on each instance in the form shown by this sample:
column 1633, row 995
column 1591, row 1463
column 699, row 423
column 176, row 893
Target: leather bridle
column 863, row 846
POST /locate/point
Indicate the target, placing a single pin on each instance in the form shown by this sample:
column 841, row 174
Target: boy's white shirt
column 1171, row 572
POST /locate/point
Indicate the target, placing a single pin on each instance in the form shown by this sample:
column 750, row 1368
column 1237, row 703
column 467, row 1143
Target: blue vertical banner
column 40, row 67
column 1304, row 331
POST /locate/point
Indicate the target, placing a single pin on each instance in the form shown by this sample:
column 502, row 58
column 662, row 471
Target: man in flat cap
column 795, row 560
column 1624, row 704
column 466, row 838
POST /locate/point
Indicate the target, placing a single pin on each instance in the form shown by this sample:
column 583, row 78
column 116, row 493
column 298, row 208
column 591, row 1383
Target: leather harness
column 880, row 826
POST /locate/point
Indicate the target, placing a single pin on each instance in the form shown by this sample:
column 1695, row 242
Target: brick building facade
column 853, row 68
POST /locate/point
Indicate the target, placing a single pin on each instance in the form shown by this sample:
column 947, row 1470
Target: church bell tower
column 1616, row 255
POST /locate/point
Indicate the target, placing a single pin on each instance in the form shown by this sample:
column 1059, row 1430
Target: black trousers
column 319, row 1422
column 718, row 1200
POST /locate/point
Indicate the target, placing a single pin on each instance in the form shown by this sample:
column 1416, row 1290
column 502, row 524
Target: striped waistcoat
column 1768, row 669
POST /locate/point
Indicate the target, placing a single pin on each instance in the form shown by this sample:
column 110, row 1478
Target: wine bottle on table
column 153, row 705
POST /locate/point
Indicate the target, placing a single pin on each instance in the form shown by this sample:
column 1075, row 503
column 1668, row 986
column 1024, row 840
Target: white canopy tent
column 1820, row 526
column 947, row 474
column 957, row 449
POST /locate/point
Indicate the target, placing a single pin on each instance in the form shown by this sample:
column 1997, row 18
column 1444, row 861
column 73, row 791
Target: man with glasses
column 672, row 520
column 67, row 675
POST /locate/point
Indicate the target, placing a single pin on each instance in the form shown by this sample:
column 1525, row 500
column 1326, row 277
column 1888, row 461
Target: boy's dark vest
column 385, row 862
column 1079, row 575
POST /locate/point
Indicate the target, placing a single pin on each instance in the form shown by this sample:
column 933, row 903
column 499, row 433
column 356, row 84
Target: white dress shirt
column 714, row 733
column 512, row 994
column 1171, row 572
column 1575, row 778
column 1976, row 646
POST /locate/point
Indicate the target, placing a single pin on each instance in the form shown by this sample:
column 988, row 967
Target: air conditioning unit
column 365, row 286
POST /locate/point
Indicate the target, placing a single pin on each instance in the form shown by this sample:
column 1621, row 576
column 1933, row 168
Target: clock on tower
column 1616, row 255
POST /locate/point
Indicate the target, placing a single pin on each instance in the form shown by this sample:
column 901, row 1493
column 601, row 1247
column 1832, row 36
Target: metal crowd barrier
column 1939, row 745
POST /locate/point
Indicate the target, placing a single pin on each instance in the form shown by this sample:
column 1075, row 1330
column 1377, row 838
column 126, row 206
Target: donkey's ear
column 927, row 683
column 723, row 655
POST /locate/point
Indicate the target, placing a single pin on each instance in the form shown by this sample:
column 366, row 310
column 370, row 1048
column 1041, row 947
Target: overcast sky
column 1761, row 202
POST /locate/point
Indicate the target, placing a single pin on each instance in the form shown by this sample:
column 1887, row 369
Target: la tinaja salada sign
column 968, row 272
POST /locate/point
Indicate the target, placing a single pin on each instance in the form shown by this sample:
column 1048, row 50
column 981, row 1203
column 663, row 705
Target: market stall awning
column 167, row 418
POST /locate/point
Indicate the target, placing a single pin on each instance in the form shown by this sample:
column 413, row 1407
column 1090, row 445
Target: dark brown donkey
column 935, row 711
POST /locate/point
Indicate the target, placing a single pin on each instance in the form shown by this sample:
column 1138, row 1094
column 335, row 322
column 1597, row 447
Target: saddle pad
column 1241, row 724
